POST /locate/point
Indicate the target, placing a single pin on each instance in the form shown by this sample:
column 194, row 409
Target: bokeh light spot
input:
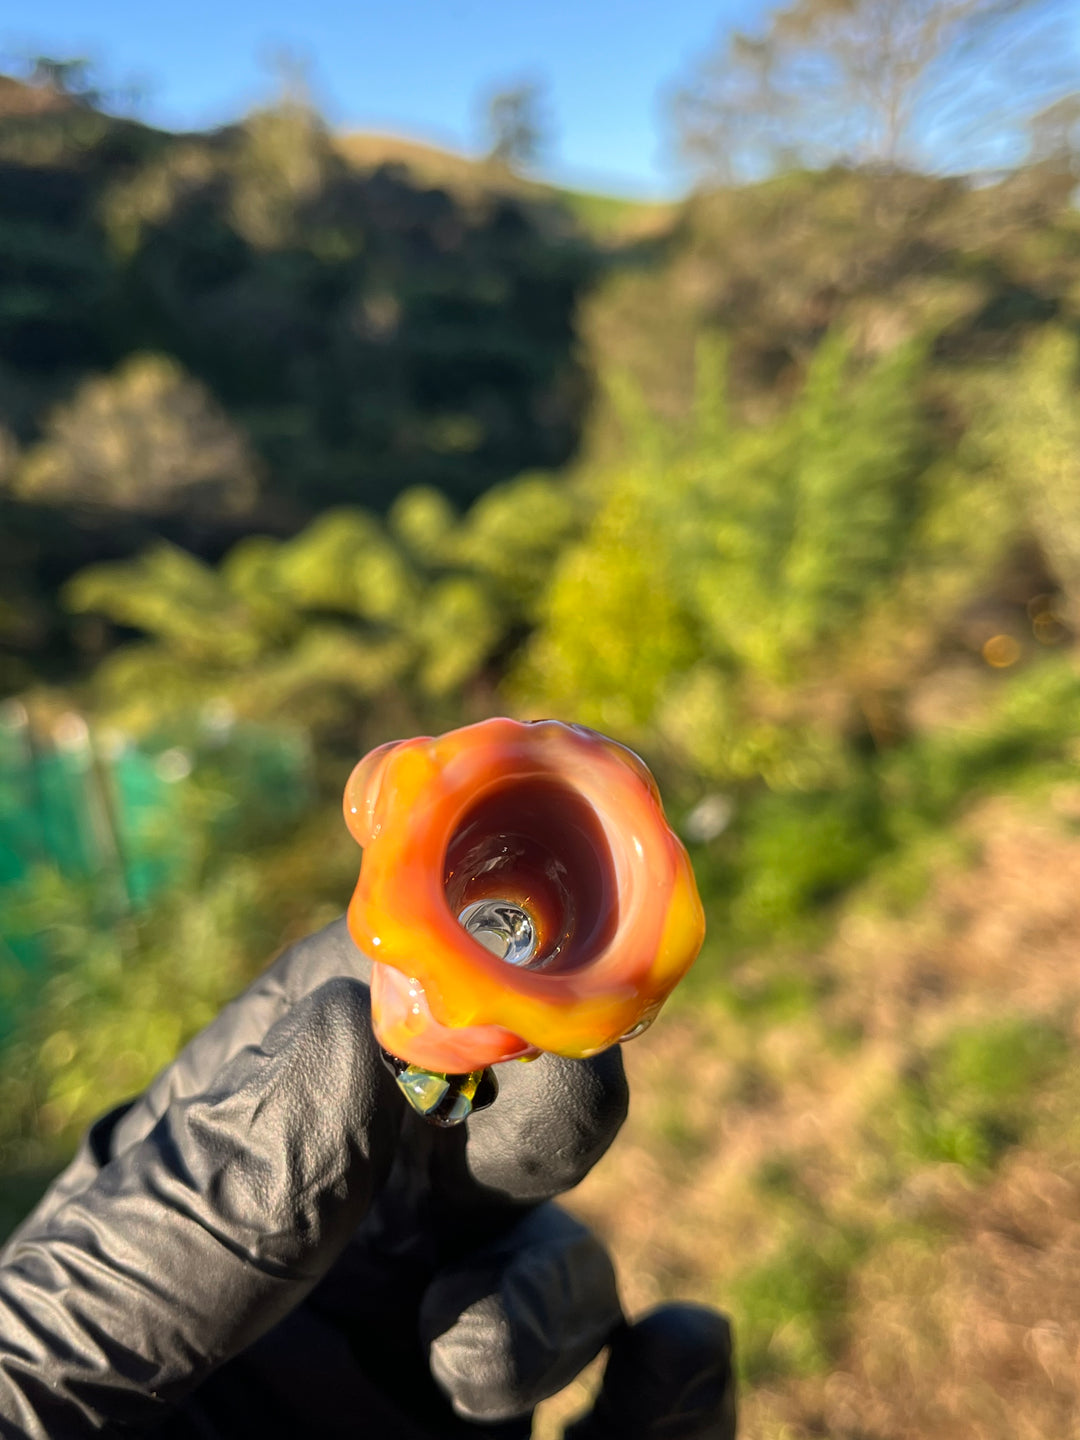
column 1001, row 651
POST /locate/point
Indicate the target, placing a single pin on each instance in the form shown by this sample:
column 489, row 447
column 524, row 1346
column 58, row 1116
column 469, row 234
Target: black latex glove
column 269, row 1242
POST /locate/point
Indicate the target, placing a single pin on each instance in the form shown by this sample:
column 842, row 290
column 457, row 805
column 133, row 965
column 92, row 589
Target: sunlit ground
column 878, row 1179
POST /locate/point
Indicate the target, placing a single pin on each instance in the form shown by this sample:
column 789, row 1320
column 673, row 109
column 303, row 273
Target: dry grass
column 608, row 218
column 942, row 1298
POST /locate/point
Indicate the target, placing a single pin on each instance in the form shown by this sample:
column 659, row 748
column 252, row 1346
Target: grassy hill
column 607, row 218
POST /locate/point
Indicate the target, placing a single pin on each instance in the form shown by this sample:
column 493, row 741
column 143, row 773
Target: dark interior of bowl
column 537, row 844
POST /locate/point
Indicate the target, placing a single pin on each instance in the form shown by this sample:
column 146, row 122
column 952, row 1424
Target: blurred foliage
column 368, row 334
column 116, row 952
column 117, row 1004
column 787, row 857
column 782, row 558
column 1032, row 436
column 147, row 440
column 318, row 629
column 248, row 328
column 286, row 424
column 792, row 1309
column 970, row 1099
column 888, row 258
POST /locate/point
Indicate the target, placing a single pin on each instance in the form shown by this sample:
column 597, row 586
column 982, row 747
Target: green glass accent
column 424, row 1090
column 445, row 1099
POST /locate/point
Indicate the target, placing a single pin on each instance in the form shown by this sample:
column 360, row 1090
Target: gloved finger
column 552, row 1121
column 192, row 1243
column 668, row 1377
column 515, row 1321
column 297, row 972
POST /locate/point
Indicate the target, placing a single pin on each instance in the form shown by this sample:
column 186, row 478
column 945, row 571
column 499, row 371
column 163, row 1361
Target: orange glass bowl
column 554, row 818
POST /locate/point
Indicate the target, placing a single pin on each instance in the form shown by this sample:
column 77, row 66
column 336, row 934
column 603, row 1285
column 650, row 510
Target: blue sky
column 414, row 67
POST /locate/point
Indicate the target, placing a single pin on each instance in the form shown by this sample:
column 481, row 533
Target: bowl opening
column 536, row 846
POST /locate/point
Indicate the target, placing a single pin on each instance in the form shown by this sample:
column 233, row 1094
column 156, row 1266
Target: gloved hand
column 270, row 1242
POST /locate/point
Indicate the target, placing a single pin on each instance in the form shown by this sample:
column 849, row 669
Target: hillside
column 607, row 218
column 305, row 332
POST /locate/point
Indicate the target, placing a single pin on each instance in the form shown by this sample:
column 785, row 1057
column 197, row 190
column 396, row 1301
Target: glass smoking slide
column 520, row 891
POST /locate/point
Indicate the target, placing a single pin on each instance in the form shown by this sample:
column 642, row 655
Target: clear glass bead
column 503, row 928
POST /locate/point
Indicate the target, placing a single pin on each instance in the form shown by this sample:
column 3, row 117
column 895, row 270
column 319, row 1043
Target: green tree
column 1029, row 432
column 730, row 597
column 284, row 160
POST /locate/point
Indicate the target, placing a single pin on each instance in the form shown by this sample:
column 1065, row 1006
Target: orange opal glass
column 555, row 819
